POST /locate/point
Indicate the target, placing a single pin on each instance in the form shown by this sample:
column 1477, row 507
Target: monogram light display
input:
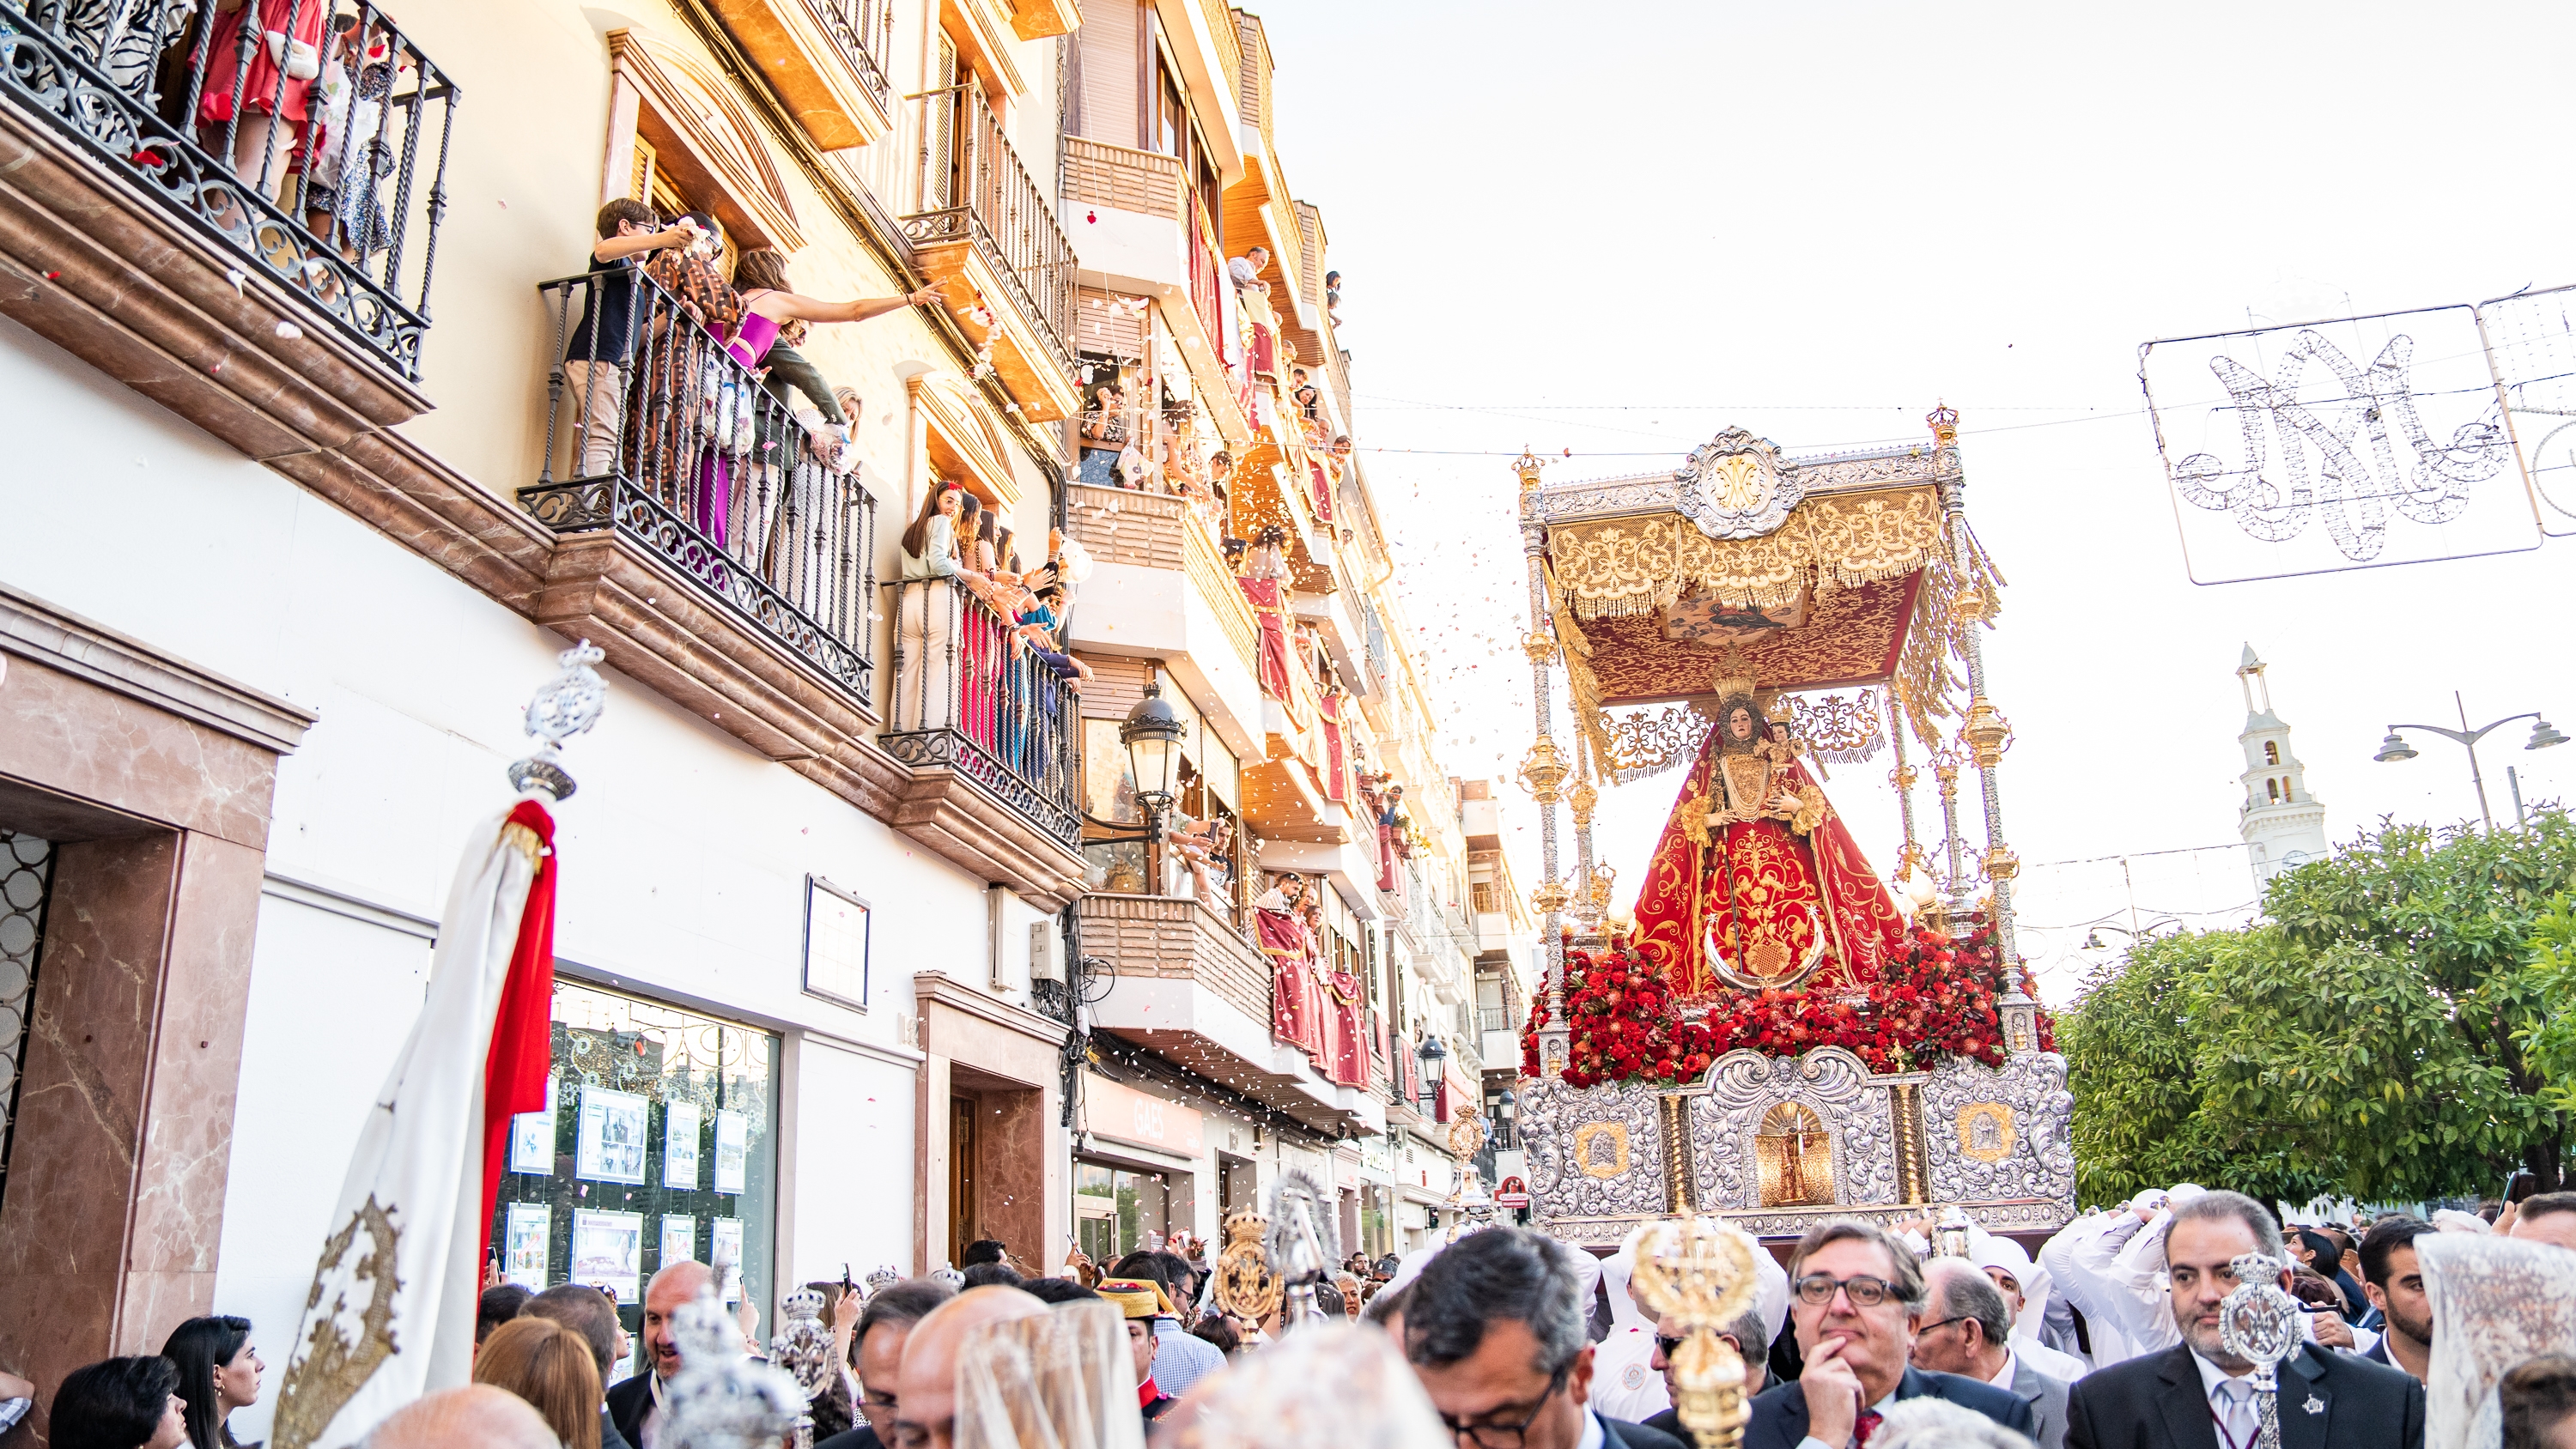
column 1764, row 1036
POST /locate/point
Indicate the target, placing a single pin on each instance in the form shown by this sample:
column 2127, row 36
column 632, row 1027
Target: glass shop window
column 659, row 1145
column 1117, row 1212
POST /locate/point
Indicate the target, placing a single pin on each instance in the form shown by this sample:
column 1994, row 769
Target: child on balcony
column 595, row 355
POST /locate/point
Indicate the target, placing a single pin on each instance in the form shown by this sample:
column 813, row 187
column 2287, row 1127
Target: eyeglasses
column 1865, row 1291
column 1667, row 1346
column 1944, row 1323
column 1507, row 1436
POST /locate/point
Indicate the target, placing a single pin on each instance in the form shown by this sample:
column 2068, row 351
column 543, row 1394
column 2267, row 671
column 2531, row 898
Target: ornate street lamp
column 1153, row 732
column 2543, row 735
column 1435, row 1058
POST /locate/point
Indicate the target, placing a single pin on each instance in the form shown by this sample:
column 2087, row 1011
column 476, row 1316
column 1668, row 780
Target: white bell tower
column 2282, row 824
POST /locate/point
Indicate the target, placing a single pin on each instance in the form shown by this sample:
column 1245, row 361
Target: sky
column 1619, row 229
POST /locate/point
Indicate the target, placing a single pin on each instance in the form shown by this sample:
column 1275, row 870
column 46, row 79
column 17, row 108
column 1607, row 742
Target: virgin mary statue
column 1756, row 884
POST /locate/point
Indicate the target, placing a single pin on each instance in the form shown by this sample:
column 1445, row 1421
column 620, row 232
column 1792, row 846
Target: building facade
column 2283, row 825
column 331, row 433
column 1294, row 974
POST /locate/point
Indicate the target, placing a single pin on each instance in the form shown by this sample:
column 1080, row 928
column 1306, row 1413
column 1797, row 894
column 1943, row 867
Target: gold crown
column 1732, row 676
column 1944, row 421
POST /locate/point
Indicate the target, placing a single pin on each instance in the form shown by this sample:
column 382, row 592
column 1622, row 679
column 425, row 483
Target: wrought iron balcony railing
column 314, row 152
column 864, row 30
column 971, row 695
column 655, row 430
column 973, row 187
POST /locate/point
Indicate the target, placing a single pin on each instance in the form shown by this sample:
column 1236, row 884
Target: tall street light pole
column 2394, row 747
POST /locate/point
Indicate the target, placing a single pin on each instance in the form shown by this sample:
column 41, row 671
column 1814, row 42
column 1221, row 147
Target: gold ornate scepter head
column 1699, row 1271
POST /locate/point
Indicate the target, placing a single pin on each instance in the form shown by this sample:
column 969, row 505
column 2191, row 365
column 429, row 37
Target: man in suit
column 884, row 1326
column 1494, row 1328
column 1746, row 1329
column 1855, row 1295
column 636, row 1404
column 2197, row 1395
column 2395, row 1283
column 1967, row 1330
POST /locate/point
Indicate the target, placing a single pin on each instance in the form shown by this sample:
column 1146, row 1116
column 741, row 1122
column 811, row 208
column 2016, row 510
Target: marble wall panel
column 84, row 740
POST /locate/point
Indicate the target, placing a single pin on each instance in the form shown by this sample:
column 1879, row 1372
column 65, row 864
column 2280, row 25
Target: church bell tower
column 2282, row 824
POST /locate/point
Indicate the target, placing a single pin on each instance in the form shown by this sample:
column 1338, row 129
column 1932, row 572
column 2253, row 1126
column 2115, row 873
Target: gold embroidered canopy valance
column 1627, row 566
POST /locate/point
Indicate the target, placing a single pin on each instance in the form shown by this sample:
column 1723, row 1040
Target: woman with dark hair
column 120, row 1403
column 218, row 1372
column 760, row 279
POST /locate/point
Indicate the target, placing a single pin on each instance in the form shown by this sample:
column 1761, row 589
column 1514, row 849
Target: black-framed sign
column 836, row 944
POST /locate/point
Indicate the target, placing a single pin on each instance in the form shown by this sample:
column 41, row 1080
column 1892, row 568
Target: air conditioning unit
column 1046, row 952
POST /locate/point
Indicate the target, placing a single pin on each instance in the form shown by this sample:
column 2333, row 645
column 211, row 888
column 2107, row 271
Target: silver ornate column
column 1544, row 769
column 1900, row 778
column 1985, row 732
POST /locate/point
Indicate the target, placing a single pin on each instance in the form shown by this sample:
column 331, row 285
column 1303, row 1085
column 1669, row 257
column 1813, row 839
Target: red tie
column 1863, row 1427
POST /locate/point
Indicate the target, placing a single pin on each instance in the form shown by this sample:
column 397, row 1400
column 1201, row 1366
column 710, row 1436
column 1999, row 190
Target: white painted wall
column 331, row 1000
column 684, row 855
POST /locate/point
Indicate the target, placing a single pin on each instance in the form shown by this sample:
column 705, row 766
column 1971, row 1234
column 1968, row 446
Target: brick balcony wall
column 1159, row 936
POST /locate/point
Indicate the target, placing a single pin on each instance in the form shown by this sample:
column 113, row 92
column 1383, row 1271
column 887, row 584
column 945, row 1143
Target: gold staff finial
column 1945, row 423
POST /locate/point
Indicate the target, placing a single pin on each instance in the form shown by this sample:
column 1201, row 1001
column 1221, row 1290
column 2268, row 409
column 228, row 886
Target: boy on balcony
column 596, row 355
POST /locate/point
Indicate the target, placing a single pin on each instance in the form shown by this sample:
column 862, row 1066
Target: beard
column 2204, row 1340
column 2420, row 1330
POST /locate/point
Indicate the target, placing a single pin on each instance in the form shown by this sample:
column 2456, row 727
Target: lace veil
column 1061, row 1380
column 2495, row 1301
column 1329, row 1387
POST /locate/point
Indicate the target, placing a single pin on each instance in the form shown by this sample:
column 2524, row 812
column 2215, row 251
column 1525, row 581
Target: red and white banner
column 391, row 1314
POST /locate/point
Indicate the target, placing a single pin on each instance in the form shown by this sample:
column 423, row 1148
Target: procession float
column 1770, row 1035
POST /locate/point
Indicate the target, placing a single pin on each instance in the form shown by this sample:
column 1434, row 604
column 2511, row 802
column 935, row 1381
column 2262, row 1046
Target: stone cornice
column 35, row 630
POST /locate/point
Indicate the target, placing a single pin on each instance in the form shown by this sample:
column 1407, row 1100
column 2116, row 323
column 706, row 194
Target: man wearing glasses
column 1494, row 1328
column 1855, row 1295
column 2196, row 1395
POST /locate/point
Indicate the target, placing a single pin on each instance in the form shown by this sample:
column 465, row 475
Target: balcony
column 1162, row 590
column 1143, row 230
column 1189, row 988
column 989, row 232
column 979, row 705
column 673, row 454
column 826, row 59
column 283, row 329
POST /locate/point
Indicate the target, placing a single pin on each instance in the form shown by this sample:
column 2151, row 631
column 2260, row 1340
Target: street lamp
column 1153, row 732
column 1504, row 1107
column 1435, row 1058
column 2093, row 938
column 2543, row 735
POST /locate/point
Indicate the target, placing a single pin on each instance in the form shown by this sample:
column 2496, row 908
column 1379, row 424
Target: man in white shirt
column 2107, row 1266
column 1246, row 269
column 1965, row 1332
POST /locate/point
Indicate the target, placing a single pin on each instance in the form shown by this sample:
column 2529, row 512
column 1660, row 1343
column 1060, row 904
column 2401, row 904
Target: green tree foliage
column 2375, row 1034
column 2131, row 1048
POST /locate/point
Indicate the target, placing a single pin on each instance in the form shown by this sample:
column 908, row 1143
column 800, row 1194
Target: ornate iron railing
column 864, row 30
column 26, row 878
column 973, row 188
column 298, row 150
column 972, row 695
column 655, row 430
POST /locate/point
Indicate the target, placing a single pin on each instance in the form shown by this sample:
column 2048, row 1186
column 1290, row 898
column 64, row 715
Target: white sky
column 1621, row 235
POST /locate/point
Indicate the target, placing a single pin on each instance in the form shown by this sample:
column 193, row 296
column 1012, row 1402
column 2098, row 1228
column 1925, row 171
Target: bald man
column 925, row 1414
column 635, row 1405
column 477, row 1416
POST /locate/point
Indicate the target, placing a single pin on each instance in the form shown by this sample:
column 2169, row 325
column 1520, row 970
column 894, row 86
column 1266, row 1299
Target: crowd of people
column 1503, row 1338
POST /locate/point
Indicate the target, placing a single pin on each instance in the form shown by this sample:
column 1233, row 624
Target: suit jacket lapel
column 2183, row 1404
column 2302, row 1384
column 1793, row 1421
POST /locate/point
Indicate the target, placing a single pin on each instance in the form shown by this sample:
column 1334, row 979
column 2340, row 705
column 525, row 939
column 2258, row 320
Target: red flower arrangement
column 1939, row 1000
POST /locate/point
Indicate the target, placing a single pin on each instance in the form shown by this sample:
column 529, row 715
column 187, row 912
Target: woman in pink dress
column 768, row 302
